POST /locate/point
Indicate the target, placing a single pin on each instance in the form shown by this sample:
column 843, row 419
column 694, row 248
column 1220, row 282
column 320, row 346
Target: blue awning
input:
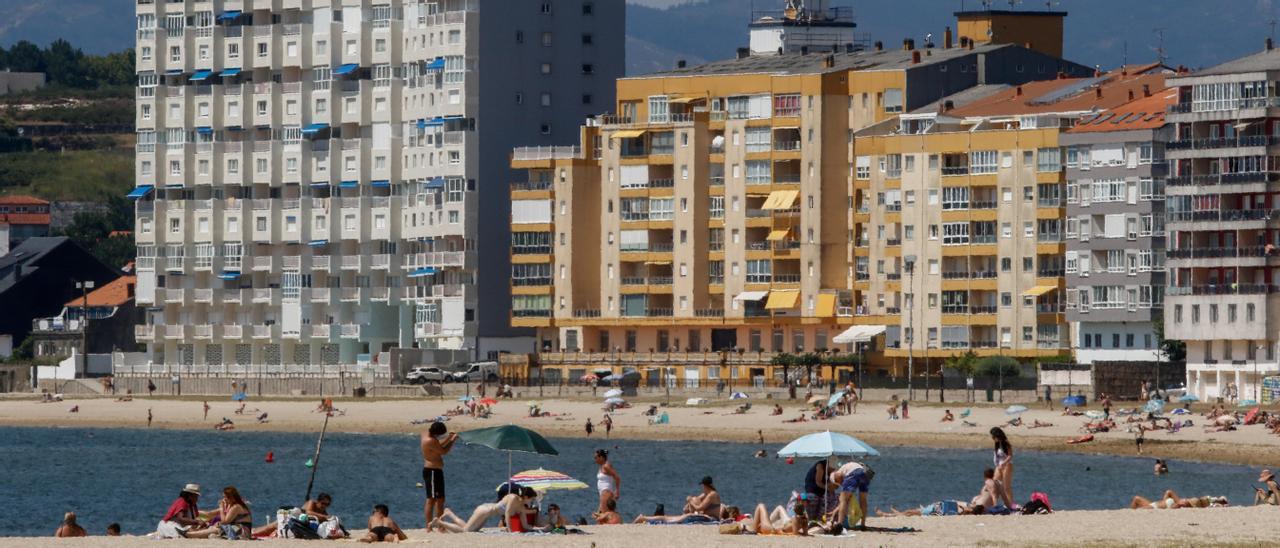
column 437, row 121
column 201, row 75
column 141, row 191
column 453, row 117
column 173, row 185
column 230, row 275
column 437, row 64
column 204, row 130
column 381, row 184
column 318, row 243
column 349, row 184
column 438, row 182
column 229, row 15
column 422, row 272
column 422, row 124
column 231, row 72
column 314, row 128
column 346, row 69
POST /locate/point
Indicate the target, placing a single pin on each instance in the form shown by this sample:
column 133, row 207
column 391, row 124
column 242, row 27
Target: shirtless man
column 436, row 443
column 69, row 527
column 992, row 493
column 382, row 528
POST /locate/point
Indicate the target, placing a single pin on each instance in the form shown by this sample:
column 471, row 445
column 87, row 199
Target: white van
column 477, row 371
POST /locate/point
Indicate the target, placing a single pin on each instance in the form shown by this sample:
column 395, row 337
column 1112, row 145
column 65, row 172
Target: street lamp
column 1257, row 382
column 909, row 262
column 84, row 288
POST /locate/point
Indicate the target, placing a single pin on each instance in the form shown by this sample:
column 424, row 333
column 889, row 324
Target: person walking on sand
column 436, row 443
column 905, row 413
column 608, row 482
column 607, row 421
column 148, row 417
column 590, row 428
column 1003, row 459
column 206, row 410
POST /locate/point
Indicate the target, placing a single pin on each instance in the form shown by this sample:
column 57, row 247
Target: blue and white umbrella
column 738, row 396
column 1189, row 398
column 1015, row 410
column 827, row 444
column 835, row 398
column 1154, row 406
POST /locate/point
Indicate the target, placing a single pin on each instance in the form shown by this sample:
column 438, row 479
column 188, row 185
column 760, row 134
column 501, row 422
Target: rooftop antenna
column 1124, row 58
column 1160, row 44
column 1272, row 22
column 1013, row 4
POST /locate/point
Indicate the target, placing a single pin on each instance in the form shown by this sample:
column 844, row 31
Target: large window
column 759, row 172
column 658, row 109
column 893, row 100
column 661, row 209
column 531, row 274
column 786, row 105
column 758, row 139
column 955, row 197
column 955, row 233
column 455, row 69
column 759, row 272
column 983, row 161
column 1049, row 159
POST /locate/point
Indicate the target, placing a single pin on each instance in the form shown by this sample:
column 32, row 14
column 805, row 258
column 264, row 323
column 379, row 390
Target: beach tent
column 1015, row 410
column 614, row 401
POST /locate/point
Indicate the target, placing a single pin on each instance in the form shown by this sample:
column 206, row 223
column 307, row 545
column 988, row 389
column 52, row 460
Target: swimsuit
column 604, row 482
column 380, row 532
column 433, row 482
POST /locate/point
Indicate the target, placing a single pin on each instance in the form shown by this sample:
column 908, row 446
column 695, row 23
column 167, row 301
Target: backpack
column 300, row 529
column 1039, row 504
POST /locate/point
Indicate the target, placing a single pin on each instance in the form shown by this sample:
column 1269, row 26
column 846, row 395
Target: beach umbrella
column 613, row 393
column 1189, row 398
column 509, row 438
column 1073, row 401
column 541, row 480
column 612, row 378
column 614, row 401
column 1252, row 414
column 1095, row 414
column 588, row 377
column 488, row 401
column 835, row 398
column 1154, row 406
column 465, row 398
column 1015, row 409
column 816, row 399
column 827, row 444
column 738, row 396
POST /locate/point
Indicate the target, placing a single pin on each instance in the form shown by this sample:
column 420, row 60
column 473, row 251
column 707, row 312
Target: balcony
column 262, row 264
column 1231, row 142
column 1219, row 252
column 320, row 262
column 1232, row 289
column 1223, row 179
column 203, row 296
column 291, row 262
column 1223, row 215
column 380, row 261
column 530, row 186
column 175, row 331
column 786, row 146
column 235, row 332
column 319, row 331
column 349, row 294
column 204, row 331
column 380, row 294
column 174, row 296
column 350, row 331
column 261, row 331
column 144, row 332
column 319, row 294
column 351, row 262
column 261, row 295
column 546, row 153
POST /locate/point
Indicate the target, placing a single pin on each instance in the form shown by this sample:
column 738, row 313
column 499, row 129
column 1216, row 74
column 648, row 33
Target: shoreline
column 1251, row 445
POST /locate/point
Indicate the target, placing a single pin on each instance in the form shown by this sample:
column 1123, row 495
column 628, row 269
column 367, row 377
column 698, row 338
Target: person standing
column 206, row 410
column 148, row 417
column 1003, row 459
column 905, row 413
column 590, row 428
column 853, row 479
column 608, row 482
column 436, row 443
column 1048, row 396
column 607, row 421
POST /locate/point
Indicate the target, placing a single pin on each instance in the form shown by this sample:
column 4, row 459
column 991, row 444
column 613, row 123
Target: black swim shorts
column 433, row 481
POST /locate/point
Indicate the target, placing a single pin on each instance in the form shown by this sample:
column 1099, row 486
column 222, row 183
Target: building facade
column 1224, row 283
column 715, row 211
column 99, row 321
column 312, row 174
column 22, row 217
column 1115, row 229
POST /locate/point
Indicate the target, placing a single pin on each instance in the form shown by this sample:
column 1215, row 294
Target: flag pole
column 315, row 460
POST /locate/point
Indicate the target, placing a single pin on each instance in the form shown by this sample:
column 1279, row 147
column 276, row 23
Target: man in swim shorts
column 382, row 528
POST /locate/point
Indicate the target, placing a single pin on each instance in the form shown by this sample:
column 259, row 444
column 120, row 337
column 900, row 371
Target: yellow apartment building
column 709, row 223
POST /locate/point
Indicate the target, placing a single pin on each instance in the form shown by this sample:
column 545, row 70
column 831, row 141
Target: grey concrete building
column 1115, row 231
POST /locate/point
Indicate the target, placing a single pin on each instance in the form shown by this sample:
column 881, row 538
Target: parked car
column 423, row 375
column 477, row 371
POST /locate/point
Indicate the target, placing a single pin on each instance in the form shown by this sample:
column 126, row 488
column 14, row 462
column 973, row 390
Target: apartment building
column 312, row 174
column 1115, row 229
column 712, row 213
column 959, row 218
column 1221, row 217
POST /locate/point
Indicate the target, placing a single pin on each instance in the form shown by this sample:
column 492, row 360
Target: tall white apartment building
column 319, row 181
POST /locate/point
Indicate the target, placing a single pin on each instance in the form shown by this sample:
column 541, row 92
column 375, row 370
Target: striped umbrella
column 545, row 480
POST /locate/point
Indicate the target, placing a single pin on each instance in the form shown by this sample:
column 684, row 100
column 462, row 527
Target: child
column 382, row 528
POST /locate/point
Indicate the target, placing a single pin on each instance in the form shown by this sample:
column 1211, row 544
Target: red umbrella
column 488, row 401
column 1251, row 416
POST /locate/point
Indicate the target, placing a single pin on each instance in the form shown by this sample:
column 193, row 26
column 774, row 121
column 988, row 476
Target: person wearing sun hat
column 1269, row 493
column 183, row 515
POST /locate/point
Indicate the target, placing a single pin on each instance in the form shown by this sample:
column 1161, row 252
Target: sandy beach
column 1253, row 526
column 1250, row 445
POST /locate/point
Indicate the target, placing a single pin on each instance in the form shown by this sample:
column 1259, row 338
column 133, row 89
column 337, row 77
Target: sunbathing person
column 382, row 528
column 992, row 494
column 689, row 518
column 1039, row 424
column 777, row 522
column 69, row 527
column 777, row 410
column 707, row 502
column 225, row 425
column 1171, row 501
column 510, row 508
column 801, row 418
column 939, row 508
column 1067, row 412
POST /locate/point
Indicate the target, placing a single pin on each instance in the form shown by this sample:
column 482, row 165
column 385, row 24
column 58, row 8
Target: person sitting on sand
column 947, row 416
column 69, row 527
column 777, row 410
column 382, row 528
column 183, row 515
column 113, row 530
column 510, row 508
column 262, row 419
column 652, row 411
column 1040, row 424
column 893, row 412
column 225, row 425
column 1270, row 491
column 610, row 515
column 706, row 503
column 1016, row 421
column 993, row 495
column 555, row 520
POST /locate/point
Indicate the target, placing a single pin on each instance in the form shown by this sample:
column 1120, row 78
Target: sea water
column 130, row 476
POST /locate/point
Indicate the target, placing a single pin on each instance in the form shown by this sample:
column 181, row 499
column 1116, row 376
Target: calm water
column 131, row 476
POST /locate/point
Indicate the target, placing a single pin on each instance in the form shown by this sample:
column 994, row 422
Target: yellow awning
column 628, row 134
column 1038, row 290
column 684, row 100
column 658, row 263
column 826, row 306
column 779, row 234
column 781, row 199
column 781, row 300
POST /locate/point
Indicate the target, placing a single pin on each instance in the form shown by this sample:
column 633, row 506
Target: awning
column 230, row 275
column 435, row 122
column 381, row 184
column 826, row 307
column 781, row 199
column 782, row 300
column 229, row 15
column 201, row 75
column 658, row 263
column 628, row 134
column 231, row 72
column 859, row 334
column 349, row 184
column 141, row 191
column 318, row 185
column 173, row 72
column 204, row 130
column 684, row 100
column 751, row 296
column 314, row 128
column 318, row 243
column 422, row 272
column 436, row 64
column 438, row 182
column 1038, row 290
column 346, row 69
column 779, row 235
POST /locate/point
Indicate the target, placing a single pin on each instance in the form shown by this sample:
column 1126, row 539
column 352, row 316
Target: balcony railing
column 530, row 186
column 1222, row 215
column 1222, row 142
column 1231, row 289
column 1223, row 179
column 1220, row 252
column 546, row 153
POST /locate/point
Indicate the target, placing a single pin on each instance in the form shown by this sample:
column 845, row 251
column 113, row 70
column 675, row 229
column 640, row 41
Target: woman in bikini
column 1003, row 459
column 608, row 482
column 510, row 508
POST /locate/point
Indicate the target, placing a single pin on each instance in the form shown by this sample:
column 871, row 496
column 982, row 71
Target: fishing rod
column 315, row 460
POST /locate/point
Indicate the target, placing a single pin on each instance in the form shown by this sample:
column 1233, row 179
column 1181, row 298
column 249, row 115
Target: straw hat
column 1266, row 475
column 193, row 488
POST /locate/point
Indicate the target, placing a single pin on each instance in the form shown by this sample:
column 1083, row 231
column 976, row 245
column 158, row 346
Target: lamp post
column 84, row 288
column 1257, row 382
column 909, row 262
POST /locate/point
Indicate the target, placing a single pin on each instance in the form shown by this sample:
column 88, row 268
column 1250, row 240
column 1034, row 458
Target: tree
column 64, row 64
column 25, row 57
column 1173, row 351
column 964, row 365
column 998, row 367
column 92, row 231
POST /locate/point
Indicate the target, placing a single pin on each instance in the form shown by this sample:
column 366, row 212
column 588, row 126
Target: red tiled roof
column 120, row 234
column 1144, row 113
column 1116, row 88
column 117, row 292
column 24, row 218
column 22, row 200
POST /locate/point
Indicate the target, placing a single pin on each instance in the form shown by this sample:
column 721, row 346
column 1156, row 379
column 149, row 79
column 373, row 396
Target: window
column 546, row 39
column 983, row 161
column 893, row 100
column 955, row 233
column 786, row 105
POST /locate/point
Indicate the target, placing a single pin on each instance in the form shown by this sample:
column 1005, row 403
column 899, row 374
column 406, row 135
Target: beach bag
column 170, row 529
column 1040, row 499
column 299, row 529
column 332, row 529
